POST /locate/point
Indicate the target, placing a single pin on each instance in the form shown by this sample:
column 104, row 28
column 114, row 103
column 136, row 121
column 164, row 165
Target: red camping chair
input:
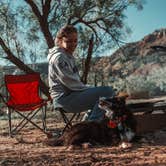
column 24, row 99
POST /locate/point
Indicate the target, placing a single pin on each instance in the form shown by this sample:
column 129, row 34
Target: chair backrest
column 23, row 89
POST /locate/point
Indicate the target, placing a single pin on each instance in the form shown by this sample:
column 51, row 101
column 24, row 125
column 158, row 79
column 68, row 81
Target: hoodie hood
column 56, row 51
column 53, row 52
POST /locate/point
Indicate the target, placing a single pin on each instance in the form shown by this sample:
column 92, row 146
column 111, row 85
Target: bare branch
column 88, row 25
column 34, row 8
column 55, row 7
column 88, row 61
column 46, row 8
column 43, row 20
column 88, row 10
column 21, row 65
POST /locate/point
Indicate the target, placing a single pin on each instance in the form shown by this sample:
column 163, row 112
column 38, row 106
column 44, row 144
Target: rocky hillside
column 140, row 64
column 136, row 58
column 144, row 46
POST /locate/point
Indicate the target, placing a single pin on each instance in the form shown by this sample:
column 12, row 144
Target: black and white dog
column 118, row 126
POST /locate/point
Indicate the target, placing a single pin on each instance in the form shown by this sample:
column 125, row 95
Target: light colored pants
column 85, row 100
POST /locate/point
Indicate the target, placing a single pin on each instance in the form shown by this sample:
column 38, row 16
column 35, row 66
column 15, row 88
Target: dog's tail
column 54, row 141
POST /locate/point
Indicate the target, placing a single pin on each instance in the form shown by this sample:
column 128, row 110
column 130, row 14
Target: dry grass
column 28, row 148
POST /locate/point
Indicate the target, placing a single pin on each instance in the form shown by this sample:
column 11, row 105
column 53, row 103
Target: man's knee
column 107, row 91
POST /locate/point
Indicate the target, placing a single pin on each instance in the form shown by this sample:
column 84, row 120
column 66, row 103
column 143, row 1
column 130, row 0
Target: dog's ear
column 121, row 100
column 123, row 95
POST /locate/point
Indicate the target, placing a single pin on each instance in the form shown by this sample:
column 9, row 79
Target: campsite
column 105, row 59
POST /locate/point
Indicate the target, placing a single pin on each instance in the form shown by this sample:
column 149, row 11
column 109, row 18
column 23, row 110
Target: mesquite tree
column 28, row 27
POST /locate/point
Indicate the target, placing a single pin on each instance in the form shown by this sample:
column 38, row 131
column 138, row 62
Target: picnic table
column 147, row 105
column 150, row 113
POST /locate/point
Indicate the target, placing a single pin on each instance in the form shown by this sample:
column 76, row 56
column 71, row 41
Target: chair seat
column 27, row 107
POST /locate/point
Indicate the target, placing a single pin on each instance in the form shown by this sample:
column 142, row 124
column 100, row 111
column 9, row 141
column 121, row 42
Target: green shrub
column 154, row 82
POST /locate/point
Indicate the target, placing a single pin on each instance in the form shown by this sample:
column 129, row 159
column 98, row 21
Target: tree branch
column 34, row 8
column 87, row 62
column 22, row 66
column 88, row 25
column 46, row 8
column 43, row 20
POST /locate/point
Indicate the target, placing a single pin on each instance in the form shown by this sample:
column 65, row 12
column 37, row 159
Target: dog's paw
column 49, row 141
column 53, row 134
column 86, row 145
column 71, row 147
column 125, row 145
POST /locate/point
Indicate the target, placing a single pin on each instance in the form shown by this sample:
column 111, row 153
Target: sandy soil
column 28, row 149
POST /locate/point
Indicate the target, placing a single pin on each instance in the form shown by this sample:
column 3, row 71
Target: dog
column 117, row 126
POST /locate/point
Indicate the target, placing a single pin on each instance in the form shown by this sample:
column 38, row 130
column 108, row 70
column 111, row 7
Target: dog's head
column 113, row 106
column 118, row 115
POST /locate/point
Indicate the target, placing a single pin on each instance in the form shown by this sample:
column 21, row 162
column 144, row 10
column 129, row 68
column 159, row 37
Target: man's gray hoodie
column 63, row 75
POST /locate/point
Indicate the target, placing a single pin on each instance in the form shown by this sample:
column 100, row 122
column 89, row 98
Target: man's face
column 69, row 43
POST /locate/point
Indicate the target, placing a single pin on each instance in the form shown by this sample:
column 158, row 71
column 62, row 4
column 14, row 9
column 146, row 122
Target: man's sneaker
column 86, row 115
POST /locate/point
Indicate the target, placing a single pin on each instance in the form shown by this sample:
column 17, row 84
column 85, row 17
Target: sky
column 146, row 21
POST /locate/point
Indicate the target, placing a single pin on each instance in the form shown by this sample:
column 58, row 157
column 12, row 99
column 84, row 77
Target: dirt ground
column 28, row 149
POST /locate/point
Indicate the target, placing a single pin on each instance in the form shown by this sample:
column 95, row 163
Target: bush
column 154, row 83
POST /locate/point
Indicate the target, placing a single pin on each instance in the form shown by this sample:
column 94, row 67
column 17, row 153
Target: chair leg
column 78, row 116
column 65, row 119
column 22, row 123
column 68, row 123
column 10, row 124
column 30, row 120
column 44, row 109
